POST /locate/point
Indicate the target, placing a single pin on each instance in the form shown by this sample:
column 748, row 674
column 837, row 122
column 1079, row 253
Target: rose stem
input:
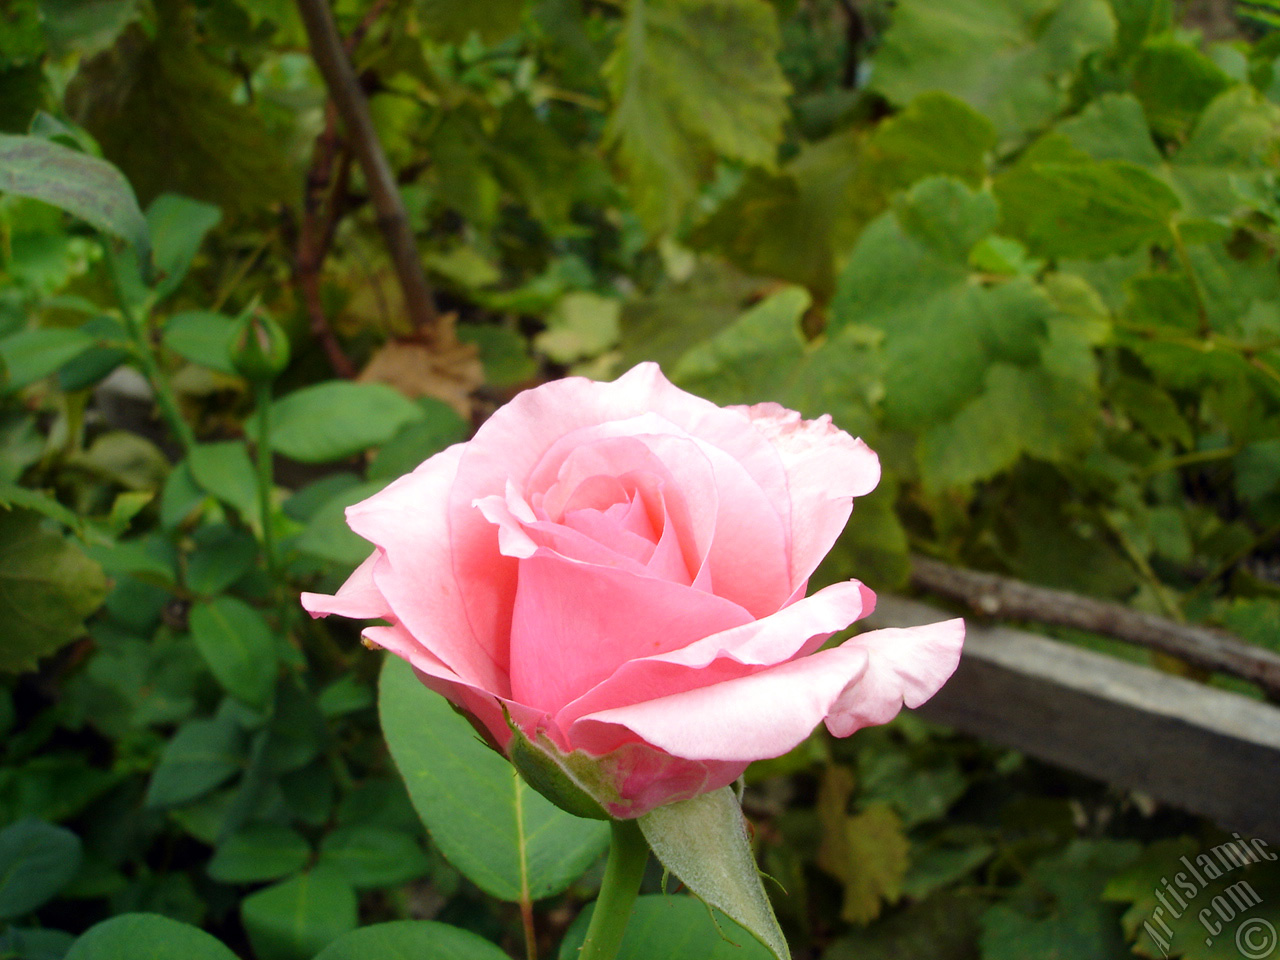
column 628, row 854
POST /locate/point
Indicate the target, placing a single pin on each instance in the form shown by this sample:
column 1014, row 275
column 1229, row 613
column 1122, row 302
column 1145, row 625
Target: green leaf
column 32, row 355
column 260, row 851
column 225, row 471
column 1007, row 59
column 503, row 352
column 35, row 943
column 486, row 821
column 1063, row 204
column 147, row 936
column 295, row 919
column 673, row 928
column 47, row 587
column 1222, row 166
column 763, row 357
column 202, row 755
column 373, row 856
column 909, row 278
column 704, row 842
column 691, row 79
column 223, row 554
column 580, row 325
column 37, row 860
column 89, row 188
column 338, row 419
column 178, row 225
column 411, row 940
column 453, row 22
column 202, row 337
column 440, row 427
column 1020, row 411
column 1076, row 926
column 238, row 646
column 1175, row 82
column 327, row 535
column 165, row 111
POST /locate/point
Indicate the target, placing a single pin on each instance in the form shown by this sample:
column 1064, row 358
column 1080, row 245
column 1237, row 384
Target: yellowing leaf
column 867, row 852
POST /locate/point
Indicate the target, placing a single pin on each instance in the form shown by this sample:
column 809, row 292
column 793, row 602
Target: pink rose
column 615, row 575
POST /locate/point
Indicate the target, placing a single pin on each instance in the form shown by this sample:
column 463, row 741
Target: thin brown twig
column 991, row 595
column 320, row 206
column 334, row 64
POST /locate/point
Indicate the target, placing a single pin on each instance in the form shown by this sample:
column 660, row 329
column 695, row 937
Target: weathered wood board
column 1192, row 746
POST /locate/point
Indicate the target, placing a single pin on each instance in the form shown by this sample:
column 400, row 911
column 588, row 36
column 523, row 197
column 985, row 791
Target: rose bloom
column 614, row 574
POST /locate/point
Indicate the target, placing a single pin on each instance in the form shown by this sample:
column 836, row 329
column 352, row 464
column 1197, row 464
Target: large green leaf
column 411, row 940
column 1005, row 58
column 800, row 222
column 178, row 225
column 260, row 851
column 764, row 357
column 1222, row 166
column 704, row 842
column 237, row 644
column 37, row 860
column 201, row 755
column 202, row 337
column 370, row 856
column 83, row 185
column 489, row 824
column 1020, row 411
column 672, row 928
column 166, row 113
column 909, row 278
column 690, row 80
column 30, row 355
column 1061, row 203
column 338, row 419
column 47, row 587
column 147, row 936
column 327, row 535
column 295, row 919
column 225, row 471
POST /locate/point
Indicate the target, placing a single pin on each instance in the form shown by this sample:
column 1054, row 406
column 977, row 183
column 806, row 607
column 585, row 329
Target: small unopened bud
column 260, row 350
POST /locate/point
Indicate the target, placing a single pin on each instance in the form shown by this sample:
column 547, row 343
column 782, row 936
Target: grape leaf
column 691, row 79
column 1007, row 58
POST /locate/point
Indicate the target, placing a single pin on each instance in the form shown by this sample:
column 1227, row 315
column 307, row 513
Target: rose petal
column 575, row 623
column 904, row 666
column 486, row 708
column 407, row 521
column 358, row 598
column 737, row 652
column 862, row 682
column 750, row 718
column 510, row 444
column 826, row 468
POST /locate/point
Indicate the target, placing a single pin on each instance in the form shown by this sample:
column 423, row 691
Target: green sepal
column 704, row 842
column 560, row 778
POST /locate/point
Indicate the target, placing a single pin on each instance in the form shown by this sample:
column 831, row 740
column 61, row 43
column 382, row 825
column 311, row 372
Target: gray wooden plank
column 1195, row 747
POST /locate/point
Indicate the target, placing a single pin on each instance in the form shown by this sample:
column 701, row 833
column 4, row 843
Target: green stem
column 266, row 480
column 628, row 854
column 144, row 350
